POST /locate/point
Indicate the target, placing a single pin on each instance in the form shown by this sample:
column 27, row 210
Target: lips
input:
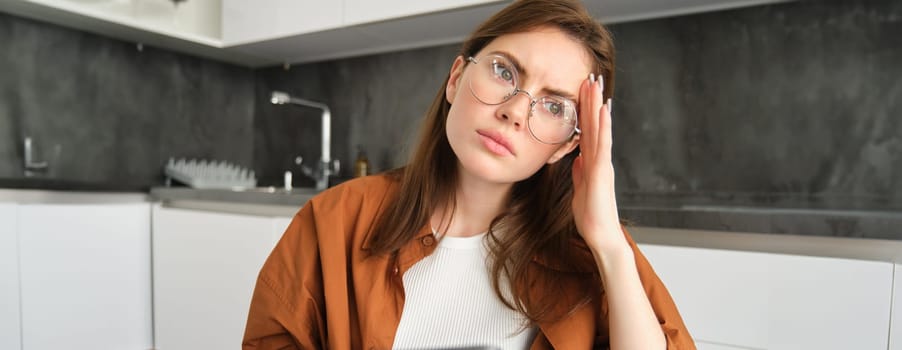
column 496, row 142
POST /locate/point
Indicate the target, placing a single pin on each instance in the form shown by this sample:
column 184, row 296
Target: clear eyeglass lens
column 495, row 80
column 552, row 120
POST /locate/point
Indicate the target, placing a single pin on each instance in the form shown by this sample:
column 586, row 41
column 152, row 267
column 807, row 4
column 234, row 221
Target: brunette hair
column 539, row 215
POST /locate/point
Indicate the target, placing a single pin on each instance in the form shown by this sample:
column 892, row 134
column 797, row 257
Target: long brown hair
column 539, row 213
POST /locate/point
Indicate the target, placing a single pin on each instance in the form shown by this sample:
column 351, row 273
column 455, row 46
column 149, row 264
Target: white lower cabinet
column 771, row 301
column 85, row 276
column 895, row 338
column 701, row 345
column 205, row 267
column 10, row 327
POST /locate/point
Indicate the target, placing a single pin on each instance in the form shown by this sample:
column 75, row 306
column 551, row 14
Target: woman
column 502, row 230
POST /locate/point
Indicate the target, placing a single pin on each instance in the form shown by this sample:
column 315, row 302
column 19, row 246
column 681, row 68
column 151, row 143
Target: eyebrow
column 522, row 71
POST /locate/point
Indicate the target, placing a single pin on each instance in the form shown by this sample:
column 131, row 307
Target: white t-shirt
column 450, row 302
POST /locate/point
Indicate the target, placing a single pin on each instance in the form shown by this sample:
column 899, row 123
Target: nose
column 512, row 110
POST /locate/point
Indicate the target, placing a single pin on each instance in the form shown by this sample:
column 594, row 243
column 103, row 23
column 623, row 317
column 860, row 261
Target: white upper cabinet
column 377, row 34
column 366, row 11
column 253, row 21
column 267, row 32
column 192, row 27
column 197, row 20
column 617, row 11
column 247, row 22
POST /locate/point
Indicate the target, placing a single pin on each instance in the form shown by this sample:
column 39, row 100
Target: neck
column 477, row 202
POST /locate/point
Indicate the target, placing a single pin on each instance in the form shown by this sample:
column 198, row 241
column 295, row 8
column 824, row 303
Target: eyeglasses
column 552, row 119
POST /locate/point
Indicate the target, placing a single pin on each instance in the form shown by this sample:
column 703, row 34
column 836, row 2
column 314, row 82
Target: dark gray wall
column 796, row 103
column 116, row 113
column 799, row 98
column 793, row 103
column 376, row 102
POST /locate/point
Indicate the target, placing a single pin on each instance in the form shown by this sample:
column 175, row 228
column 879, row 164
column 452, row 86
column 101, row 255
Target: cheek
column 457, row 126
column 534, row 154
column 453, row 122
column 465, row 112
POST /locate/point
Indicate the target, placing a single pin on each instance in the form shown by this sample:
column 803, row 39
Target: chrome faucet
column 326, row 166
column 31, row 166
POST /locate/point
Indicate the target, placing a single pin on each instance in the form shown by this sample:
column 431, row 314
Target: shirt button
column 428, row 240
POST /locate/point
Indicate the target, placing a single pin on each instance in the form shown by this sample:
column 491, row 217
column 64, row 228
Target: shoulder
column 364, row 191
column 351, row 205
column 339, row 218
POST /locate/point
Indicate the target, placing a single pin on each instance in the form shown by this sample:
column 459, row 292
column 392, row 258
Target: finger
column 587, row 119
column 583, row 103
column 592, row 113
column 601, row 104
column 596, row 101
column 607, row 138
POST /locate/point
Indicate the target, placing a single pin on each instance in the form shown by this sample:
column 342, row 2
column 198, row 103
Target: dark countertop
column 796, row 214
column 807, row 222
column 774, row 213
column 818, row 201
column 53, row 184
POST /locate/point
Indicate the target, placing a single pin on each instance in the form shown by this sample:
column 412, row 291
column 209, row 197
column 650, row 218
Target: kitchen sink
column 273, row 189
column 266, row 195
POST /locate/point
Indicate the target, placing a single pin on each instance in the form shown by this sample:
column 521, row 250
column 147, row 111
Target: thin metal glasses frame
column 532, row 102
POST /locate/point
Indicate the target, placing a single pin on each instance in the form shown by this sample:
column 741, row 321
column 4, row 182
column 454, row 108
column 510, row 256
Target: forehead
column 550, row 58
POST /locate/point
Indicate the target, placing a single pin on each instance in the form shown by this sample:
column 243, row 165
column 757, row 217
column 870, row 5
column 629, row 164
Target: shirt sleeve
column 666, row 311
column 286, row 310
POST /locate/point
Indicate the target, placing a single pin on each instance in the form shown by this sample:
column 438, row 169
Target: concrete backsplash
column 116, row 113
column 800, row 99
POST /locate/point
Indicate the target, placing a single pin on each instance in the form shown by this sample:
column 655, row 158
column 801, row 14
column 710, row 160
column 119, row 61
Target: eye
column 501, row 71
column 555, row 108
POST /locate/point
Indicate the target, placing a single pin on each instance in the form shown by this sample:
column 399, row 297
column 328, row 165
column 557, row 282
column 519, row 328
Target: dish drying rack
column 204, row 174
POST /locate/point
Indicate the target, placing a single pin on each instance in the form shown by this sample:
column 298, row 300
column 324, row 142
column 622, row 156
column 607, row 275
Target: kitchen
column 756, row 139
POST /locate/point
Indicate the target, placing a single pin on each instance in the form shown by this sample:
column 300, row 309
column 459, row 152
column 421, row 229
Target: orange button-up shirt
column 319, row 289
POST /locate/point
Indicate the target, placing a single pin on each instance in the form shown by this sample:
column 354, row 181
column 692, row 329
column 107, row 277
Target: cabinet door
column 895, row 338
column 775, row 301
column 9, row 278
column 85, row 276
column 196, row 21
column 205, row 269
column 701, row 345
column 829, row 303
column 365, row 11
column 251, row 21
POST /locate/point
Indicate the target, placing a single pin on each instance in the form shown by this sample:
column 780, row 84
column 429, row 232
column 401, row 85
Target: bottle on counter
column 361, row 165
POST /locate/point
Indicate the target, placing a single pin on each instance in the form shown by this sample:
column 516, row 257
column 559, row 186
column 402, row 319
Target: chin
column 491, row 169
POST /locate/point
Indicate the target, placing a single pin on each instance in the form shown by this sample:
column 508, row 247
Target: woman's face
column 493, row 142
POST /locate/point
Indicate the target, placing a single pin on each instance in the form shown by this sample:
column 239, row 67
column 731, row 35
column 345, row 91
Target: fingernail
column 592, row 77
column 611, row 105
